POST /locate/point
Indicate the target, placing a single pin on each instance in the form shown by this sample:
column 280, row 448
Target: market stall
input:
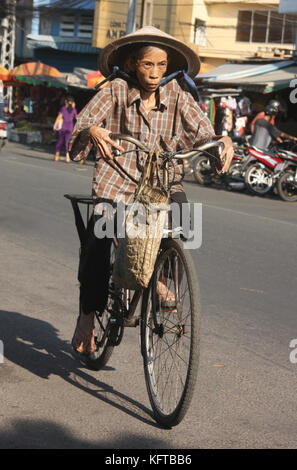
column 228, row 110
column 255, row 85
column 39, row 92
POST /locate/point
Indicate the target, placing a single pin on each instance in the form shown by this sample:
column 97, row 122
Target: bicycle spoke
column 169, row 346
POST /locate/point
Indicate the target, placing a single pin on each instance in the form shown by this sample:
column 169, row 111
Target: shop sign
column 116, row 30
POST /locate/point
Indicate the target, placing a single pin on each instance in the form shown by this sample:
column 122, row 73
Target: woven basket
column 136, row 254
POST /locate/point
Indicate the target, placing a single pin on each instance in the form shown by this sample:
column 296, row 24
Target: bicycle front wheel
column 170, row 334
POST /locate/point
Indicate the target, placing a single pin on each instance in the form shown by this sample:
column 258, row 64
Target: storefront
column 37, row 100
column 252, row 86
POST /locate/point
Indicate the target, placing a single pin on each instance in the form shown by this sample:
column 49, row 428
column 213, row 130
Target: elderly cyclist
column 163, row 116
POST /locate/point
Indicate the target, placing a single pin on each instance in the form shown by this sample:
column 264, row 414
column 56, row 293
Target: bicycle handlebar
column 189, row 154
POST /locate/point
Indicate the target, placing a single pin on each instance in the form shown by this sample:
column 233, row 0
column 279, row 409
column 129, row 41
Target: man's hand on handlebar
column 227, row 153
column 102, row 141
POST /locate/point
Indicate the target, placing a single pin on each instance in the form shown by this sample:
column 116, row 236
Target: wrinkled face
column 150, row 68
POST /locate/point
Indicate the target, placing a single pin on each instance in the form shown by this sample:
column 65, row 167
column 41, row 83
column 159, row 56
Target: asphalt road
column 246, row 391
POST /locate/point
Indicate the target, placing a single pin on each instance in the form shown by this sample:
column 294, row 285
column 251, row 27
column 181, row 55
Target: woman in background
column 64, row 125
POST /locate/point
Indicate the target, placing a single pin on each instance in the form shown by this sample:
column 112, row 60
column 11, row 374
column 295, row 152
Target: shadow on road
column 34, row 345
column 39, row 434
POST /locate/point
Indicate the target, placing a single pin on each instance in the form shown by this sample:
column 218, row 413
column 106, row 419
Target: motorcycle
column 287, row 182
column 234, row 179
column 269, row 166
column 3, row 133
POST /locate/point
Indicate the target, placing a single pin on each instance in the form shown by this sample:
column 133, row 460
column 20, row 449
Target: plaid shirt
column 176, row 123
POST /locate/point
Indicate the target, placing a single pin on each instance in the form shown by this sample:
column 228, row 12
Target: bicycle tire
column 102, row 354
column 169, row 415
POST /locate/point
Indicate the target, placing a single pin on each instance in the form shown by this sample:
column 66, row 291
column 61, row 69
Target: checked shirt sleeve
column 197, row 127
column 93, row 114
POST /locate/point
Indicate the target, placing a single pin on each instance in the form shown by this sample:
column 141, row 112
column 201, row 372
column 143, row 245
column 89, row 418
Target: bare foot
column 165, row 295
column 83, row 338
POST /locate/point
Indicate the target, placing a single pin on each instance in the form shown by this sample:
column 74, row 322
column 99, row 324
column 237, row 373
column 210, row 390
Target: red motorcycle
column 205, row 175
column 269, row 166
column 3, row 133
column 287, row 182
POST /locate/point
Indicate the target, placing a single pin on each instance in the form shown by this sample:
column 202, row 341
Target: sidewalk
column 44, row 151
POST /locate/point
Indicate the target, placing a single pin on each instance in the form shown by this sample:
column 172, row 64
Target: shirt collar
column 134, row 95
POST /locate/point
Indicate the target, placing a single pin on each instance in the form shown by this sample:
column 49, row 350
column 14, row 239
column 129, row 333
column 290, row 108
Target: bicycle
column 169, row 336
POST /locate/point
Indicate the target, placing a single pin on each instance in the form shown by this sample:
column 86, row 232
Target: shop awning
column 237, row 71
column 262, row 78
column 266, row 83
column 62, row 44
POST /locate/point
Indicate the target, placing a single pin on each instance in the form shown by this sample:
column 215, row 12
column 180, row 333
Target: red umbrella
column 4, row 73
column 34, row 68
column 94, row 78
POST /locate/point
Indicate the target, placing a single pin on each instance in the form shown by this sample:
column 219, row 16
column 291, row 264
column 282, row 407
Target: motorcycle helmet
column 270, row 110
column 275, row 104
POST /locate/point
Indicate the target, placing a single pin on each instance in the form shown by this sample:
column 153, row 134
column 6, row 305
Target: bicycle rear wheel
column 105, row 332
column 170, row 335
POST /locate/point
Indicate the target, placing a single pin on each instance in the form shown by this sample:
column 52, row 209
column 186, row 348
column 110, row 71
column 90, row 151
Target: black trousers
column 94, row 265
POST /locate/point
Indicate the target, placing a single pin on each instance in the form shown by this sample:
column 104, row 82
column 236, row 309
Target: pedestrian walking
column 64, row 125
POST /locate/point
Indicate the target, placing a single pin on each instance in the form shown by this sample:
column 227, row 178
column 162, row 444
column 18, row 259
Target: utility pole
column 146, row 15
column 8, row 41
column 8, row 34
column 131, row 18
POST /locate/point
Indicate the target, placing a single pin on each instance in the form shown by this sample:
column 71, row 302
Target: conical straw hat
column 116, row 53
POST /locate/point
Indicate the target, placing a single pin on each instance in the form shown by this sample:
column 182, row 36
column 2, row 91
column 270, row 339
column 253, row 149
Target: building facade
column 62, row 34
column 242, row 30
column 219, row 30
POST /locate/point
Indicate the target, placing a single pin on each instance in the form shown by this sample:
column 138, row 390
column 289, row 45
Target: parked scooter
column 287, row 183
column 3, row 133
column 234, row 179
column 263, row 174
